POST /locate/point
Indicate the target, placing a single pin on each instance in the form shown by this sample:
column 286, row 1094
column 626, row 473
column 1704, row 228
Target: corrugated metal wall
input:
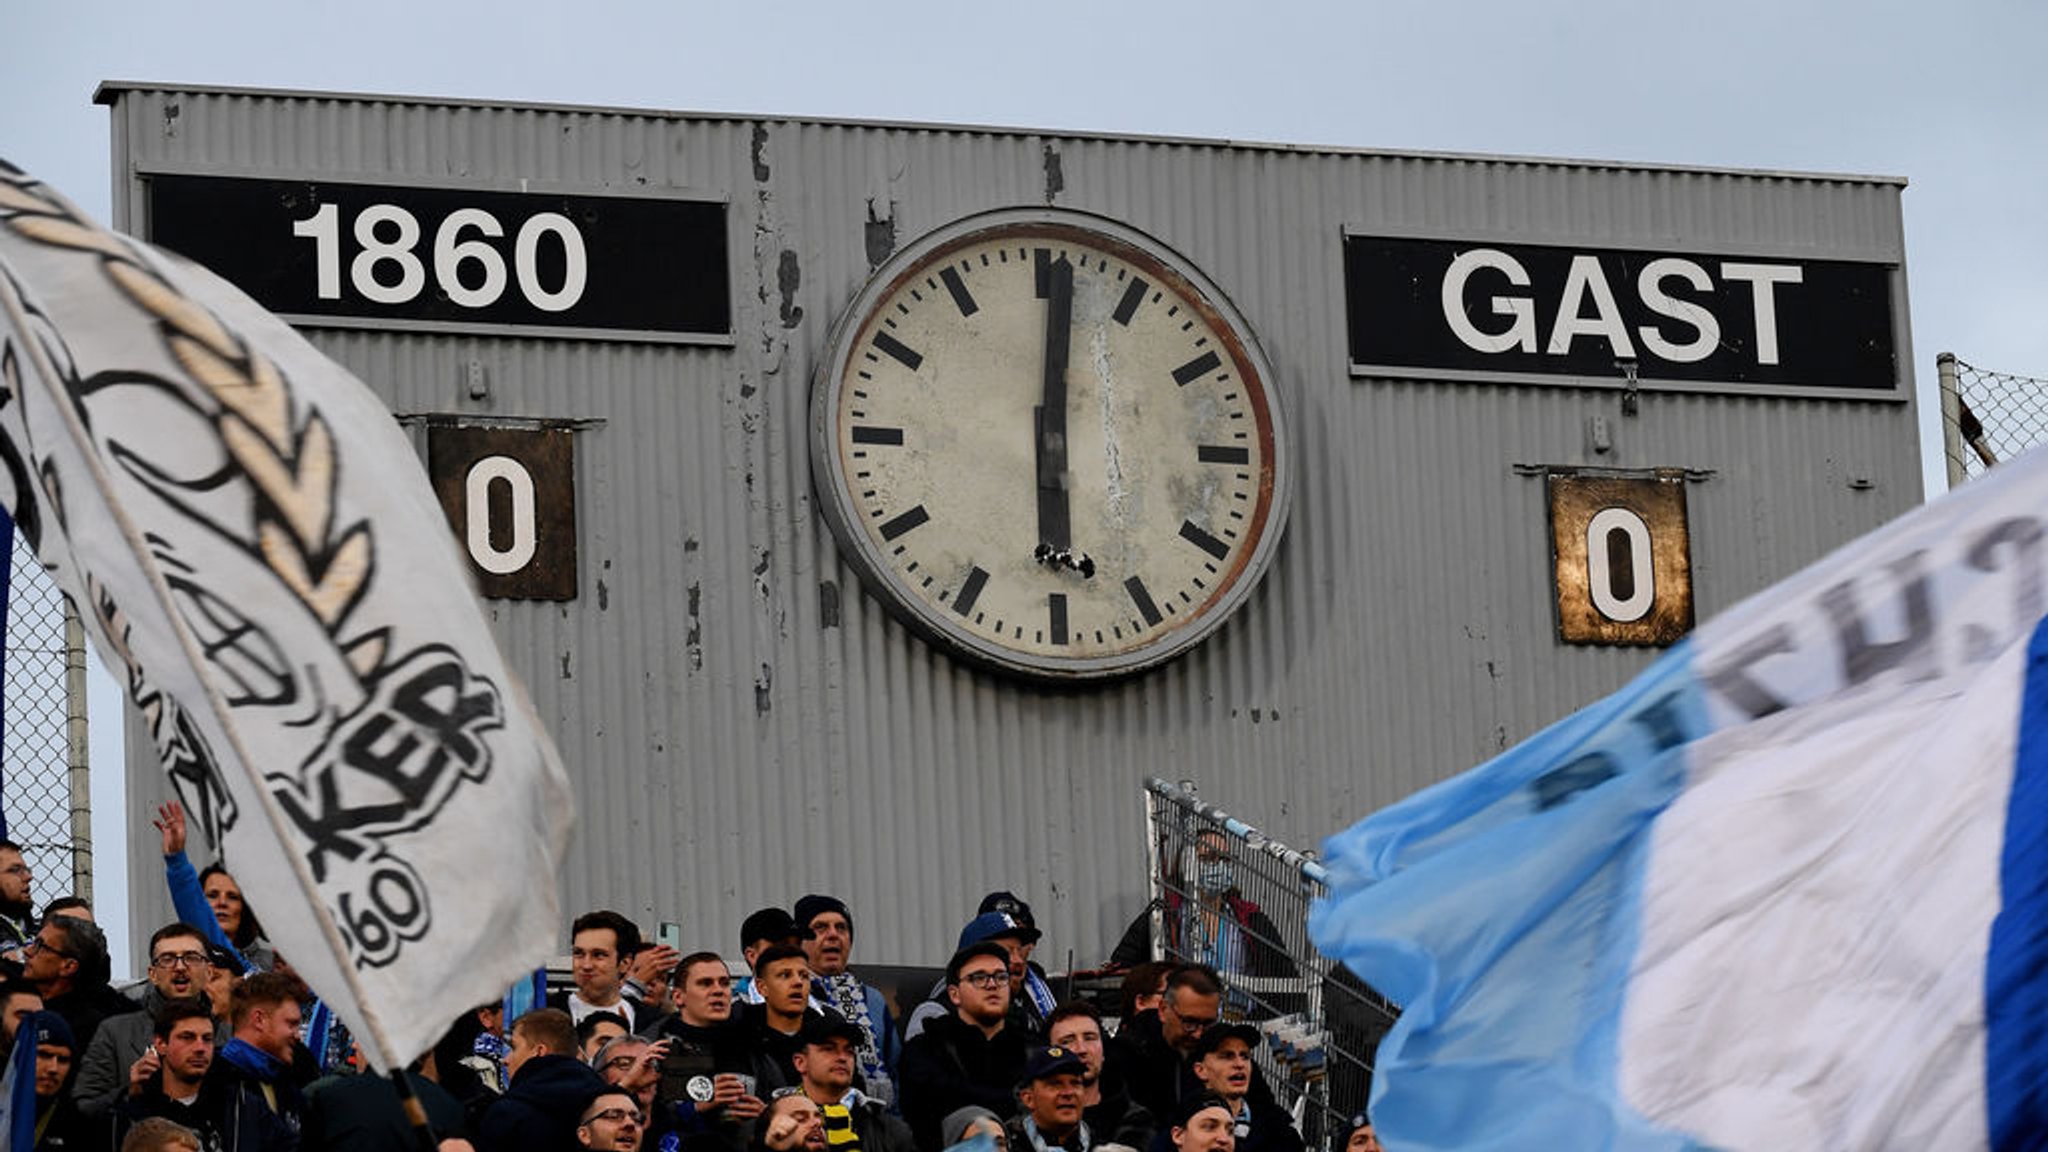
column 736, row 742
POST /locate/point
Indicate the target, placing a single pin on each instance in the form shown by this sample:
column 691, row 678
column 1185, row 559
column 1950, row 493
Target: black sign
column 602, row 264
column 510, row 495
column 1417, row 305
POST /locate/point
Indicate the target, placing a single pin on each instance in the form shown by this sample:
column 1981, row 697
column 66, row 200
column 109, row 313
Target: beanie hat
column 811, row 907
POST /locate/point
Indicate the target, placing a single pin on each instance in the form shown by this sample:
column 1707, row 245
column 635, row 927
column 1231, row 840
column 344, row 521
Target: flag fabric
column 1787, row 889
column 18, row 1087
column 252, row 541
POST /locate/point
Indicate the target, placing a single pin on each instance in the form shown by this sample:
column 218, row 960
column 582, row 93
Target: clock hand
column 1055, row 531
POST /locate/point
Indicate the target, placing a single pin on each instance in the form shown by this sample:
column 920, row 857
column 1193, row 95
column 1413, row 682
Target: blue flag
column 1787, row 889
column 18, row 1087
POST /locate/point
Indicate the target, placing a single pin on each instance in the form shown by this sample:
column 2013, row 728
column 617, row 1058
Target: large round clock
column 1050, row 444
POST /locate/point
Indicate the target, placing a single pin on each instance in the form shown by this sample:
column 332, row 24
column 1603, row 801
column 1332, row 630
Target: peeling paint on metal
column 1055, row 174
column 880, row 235
column 788, row 278
column 828, row 604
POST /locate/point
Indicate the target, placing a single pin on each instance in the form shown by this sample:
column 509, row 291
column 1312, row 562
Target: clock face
column 1050, row 444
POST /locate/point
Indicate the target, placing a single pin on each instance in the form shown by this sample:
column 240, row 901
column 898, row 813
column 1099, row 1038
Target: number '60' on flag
column 1786, row 890
column 250, row 538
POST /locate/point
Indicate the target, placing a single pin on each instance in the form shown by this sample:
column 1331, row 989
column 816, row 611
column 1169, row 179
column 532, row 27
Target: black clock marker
column 876, row 434
column 904, row 354
column 893, row 528
column 1055, row 523
column 1189, row 372
column 1056, row 615
column 1127, row 307
column 1222, row 454
column 970, row 591
column 962, row 298
column 1200, row 539
column 1143, row 600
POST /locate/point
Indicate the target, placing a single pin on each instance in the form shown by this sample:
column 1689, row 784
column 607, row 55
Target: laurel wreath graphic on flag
column 391, row 747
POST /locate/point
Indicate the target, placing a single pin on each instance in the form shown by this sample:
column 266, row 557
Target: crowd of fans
column 223, row 1049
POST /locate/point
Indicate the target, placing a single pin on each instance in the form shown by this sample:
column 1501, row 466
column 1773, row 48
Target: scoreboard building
column 872, row 507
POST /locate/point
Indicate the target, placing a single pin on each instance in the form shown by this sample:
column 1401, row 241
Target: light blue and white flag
column 1786, row 890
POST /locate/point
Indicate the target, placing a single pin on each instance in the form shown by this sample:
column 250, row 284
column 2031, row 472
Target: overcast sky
column 1949, row 95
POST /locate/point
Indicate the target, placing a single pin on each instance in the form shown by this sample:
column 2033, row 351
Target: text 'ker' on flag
column 252, row 542
column 1787, row 889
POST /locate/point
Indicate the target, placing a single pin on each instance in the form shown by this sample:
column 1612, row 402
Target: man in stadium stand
column 1113, row 1118
column 772, row 1030
column 260, row 1054
column 549, row 1092
column 601, row 944
column 175, row 1081
column 179, row 967
column 974, row 1056
column 1223, row 1067
column 1152, row 1047
column 1202, row 1124
column 613, row 1122
column 17, row 905
column 1049, row 1112
column 1031, row 999
column 830, row 949
column 826, row 1062
column 760, row 931
column 701, row 1089
column 18, row 998
column 57, row 1122
column 67, row 963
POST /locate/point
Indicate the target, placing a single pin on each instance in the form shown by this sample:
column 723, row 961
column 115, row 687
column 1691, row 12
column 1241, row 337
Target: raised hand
column 170, row 820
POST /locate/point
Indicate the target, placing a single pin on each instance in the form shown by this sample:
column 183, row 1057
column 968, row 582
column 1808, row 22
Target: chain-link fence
column 1987, row 416
column 1225, row 895
column 43, row 789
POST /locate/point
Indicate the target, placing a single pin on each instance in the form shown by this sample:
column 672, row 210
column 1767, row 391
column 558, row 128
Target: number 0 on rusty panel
column 510, row 495
column 1622, row 556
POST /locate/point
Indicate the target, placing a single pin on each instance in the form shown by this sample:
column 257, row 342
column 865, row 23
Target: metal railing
column 1226, row 895
column 44, row 792
column 1987, row 416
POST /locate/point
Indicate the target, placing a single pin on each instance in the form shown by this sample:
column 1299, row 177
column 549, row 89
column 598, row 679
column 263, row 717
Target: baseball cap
column 772, row 924
column 1189, row 1105
column 829, row 1026
column 1215, row 1034
column 990, row 925
column 1011, row 904
column 1051, row 1061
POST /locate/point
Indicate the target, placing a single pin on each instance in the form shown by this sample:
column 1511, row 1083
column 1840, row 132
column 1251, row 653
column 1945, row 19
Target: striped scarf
column 846, row 995
column 839, row 1133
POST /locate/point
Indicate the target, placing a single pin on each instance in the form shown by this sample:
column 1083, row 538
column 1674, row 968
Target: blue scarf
column 255, row 1061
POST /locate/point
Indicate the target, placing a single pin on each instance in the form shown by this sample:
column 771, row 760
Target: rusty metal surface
column 744, row 723
column 1620, row 583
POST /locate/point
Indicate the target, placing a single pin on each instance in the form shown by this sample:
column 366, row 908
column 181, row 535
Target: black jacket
column 541, row 1109
column 697, row 1055
column 233, row 1119
column 1157, row 1074
column 362, row 1113
column 950, row 1065
column 1118, row 1119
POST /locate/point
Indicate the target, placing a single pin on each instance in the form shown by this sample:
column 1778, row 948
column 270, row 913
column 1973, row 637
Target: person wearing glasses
column 973, row 1056
column 67, row 962
column 613, row 1122
column 179, row 967
column 17, row 904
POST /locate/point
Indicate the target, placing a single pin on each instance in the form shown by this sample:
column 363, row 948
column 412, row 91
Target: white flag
column 248, row 533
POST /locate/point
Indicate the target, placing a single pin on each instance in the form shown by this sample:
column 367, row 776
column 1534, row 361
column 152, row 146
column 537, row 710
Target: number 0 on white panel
column 525, row 533
column 1642, row 590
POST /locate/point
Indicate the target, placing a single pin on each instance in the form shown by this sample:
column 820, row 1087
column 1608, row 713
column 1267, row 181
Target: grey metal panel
column 744, row 725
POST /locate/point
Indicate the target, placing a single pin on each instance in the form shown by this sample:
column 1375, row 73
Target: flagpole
column 52, row 219
column 414, row 1110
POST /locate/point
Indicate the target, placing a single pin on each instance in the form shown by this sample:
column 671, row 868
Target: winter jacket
column 952, row 1064
column 120, row 1042
column 235, row 1119
column 541, row 1109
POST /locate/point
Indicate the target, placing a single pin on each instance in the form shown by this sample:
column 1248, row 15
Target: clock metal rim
column 864, row 555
